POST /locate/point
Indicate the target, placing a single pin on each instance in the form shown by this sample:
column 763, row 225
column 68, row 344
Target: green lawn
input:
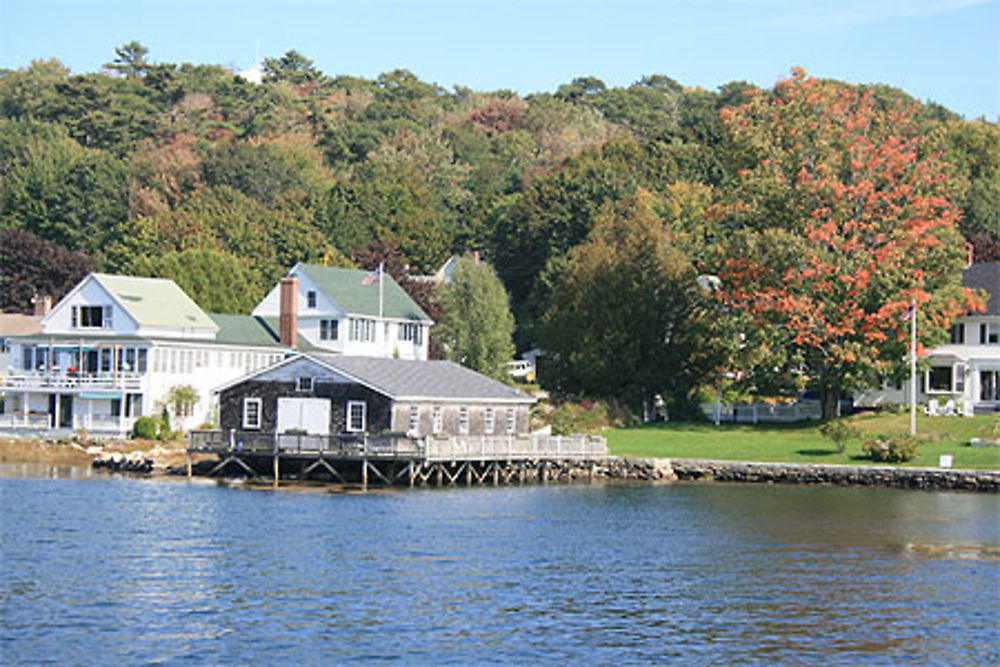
column 804, row 444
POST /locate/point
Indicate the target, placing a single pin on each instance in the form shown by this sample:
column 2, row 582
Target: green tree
column 29, row 267
column 130, row 60
column 626, row 319
column 292, row 67
column 477, row 326
column 219, row 282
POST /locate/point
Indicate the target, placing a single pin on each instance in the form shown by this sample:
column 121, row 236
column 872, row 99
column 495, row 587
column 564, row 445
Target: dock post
column 496, row 474
column 364, row 474
column 468, row 473
column 409, row 471
column 277, row 469
column 440, row 475
column 190, row 467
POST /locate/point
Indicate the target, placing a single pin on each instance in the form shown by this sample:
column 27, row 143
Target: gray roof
column 432, row 380
column 985, row 276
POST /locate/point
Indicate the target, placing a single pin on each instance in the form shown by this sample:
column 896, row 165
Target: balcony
column 71, row 381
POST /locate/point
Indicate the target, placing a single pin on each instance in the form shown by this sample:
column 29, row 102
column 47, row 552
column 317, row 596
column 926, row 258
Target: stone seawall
column 930, row 479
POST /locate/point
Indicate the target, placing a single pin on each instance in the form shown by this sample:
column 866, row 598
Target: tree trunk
column 829, row 401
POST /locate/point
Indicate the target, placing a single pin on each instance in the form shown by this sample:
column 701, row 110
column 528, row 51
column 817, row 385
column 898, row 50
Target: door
column 308, row 415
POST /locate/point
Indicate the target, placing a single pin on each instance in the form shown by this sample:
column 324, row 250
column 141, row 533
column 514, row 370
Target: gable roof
column 403, row 379
column 155, row 302
column 407, row 379
column 985, row 276
column 344, row 286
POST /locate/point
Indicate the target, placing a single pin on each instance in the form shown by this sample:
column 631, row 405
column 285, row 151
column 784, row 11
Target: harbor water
column 113, row 570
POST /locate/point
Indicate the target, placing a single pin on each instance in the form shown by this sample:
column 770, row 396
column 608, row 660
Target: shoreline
column 166, row 457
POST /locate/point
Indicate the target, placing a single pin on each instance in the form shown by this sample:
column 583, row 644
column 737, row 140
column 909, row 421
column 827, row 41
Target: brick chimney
column 43, row 304
column 289, row 312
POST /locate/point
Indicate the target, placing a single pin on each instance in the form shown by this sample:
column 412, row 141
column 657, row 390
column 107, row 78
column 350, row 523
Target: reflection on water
column 130, row 570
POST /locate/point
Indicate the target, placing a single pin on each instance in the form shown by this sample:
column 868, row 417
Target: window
column 414, row 425
column 310, row 299
column 356, row 416
column 989, row 385
column 251, row 412
column 511, row 420
column 140, row 360
column 437, row 419
column 939, row 380
column 489, row 420
column 362, row 330
column 91, row 317
column 989, row 334
column 305, row 384
column 329, row 329
column 463, row 419
column 105, row 360
column 957, row 334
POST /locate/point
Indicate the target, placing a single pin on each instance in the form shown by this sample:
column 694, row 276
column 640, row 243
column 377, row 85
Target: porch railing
column 453, row 448
column 131, row 382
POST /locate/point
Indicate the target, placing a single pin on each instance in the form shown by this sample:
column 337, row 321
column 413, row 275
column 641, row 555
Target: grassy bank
column 804, row 444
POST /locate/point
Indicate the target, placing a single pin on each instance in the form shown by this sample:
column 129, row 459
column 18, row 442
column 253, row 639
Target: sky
column 946, row 51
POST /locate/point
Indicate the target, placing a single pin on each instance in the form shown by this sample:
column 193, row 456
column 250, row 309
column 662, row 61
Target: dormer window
column 310, row 299
column 91, row 317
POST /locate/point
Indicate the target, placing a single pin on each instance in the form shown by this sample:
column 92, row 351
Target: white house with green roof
column 351, row 312
column 115, row 347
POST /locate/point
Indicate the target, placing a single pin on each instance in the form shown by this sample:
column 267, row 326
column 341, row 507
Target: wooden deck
column 396, row 459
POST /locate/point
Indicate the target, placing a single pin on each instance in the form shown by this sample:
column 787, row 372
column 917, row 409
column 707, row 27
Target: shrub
column 896, row 449
column 839, row 432
column 147, row 428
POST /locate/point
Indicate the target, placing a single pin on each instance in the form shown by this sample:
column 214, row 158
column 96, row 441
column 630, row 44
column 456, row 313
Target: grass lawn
column 803, row 443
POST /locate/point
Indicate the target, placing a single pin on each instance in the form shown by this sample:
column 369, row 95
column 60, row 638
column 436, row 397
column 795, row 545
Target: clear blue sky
column 942, row 50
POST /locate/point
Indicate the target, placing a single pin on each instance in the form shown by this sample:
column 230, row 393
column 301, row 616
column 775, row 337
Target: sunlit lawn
column 804, row 444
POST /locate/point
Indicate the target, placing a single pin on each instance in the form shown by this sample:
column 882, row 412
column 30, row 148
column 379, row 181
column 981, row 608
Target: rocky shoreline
column 928, row 479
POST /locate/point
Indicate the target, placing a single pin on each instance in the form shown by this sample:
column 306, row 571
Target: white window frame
column 350, row 426
column 463, row 420
column 311, row 299
column 511, row 420
column 253, row 424
column 304, row 384
column 437, row 419
column 414, row 422
column 489, row 421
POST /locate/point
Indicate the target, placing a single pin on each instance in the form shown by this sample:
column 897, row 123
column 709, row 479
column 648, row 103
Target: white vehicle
column 521, row 370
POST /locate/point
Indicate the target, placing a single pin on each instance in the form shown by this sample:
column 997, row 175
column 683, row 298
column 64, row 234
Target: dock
column 396, row 459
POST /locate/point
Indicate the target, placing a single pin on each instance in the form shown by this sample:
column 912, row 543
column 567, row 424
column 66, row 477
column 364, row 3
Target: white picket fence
column 755, row 413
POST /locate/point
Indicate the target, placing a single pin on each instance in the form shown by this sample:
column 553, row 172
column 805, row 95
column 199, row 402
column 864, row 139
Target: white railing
column 754, row 413
column 453, row 448
column 131, row 382
column 42, row 421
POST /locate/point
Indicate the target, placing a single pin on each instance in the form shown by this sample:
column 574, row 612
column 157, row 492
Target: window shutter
column 75, row 316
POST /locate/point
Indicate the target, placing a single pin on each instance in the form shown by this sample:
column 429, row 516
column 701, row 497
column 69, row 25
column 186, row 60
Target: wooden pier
column 389, row 460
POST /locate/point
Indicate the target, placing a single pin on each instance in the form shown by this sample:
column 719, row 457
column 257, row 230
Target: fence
column 754, row 413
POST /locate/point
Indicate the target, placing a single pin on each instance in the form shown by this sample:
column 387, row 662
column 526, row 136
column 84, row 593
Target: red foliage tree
column 31, row 266
column 839, row 226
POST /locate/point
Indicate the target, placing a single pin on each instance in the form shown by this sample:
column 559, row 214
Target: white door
column 311, row 415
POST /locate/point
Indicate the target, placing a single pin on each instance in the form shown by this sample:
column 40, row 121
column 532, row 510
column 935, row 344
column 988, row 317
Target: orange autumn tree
column 839, row 225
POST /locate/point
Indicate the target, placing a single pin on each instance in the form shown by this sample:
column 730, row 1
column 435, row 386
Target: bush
column 839, row 432
column 147, row 428
column 891, row 450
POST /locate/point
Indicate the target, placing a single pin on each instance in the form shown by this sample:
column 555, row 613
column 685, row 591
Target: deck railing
column 453, row 448
column 131, row 382
column 754, row 413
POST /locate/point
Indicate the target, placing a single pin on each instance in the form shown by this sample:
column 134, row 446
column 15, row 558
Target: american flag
column 907, row 314
column 373, row 277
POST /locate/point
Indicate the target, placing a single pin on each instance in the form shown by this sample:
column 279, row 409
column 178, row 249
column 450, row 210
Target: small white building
column 113, row 349
column 966, row 370
column 348, row 311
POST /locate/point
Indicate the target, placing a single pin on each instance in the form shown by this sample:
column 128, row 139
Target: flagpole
column 913, row 368
column 381, row 301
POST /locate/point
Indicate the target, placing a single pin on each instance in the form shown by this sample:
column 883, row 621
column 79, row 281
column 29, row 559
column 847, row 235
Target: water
column 114, row 570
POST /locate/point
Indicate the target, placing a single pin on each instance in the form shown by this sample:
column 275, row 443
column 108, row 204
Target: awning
column 100, row 394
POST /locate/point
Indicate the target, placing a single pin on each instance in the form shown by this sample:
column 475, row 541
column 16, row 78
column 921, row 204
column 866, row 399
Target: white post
column 913, row 368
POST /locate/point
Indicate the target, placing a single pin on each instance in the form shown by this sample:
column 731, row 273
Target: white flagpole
column 913, row 368
column 381, row 277
column 381, row 318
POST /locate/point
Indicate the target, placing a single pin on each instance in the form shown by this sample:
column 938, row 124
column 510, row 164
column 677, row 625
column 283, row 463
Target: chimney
column 43, row 304
column 289, row 312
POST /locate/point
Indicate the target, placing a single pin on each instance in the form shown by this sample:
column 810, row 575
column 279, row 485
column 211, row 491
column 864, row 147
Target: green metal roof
column 345, row 288
column 155, row 302
column 245, row 330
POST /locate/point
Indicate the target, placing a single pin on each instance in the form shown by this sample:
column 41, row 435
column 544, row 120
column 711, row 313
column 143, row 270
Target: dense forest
column 625, row 196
